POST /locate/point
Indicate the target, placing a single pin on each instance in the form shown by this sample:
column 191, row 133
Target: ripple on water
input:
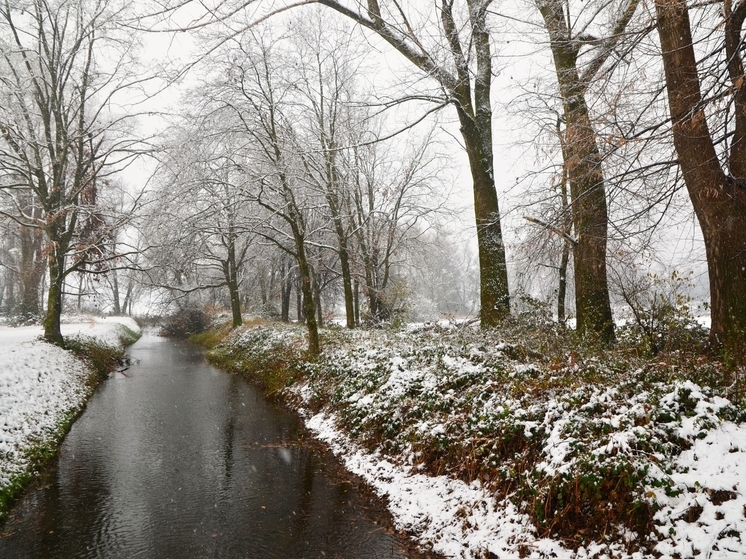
column 180, row 460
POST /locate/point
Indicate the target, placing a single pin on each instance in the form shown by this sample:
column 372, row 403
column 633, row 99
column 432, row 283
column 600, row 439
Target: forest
column 492, row 254
column 311, row 161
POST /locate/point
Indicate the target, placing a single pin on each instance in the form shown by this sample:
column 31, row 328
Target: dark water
column 181, row 460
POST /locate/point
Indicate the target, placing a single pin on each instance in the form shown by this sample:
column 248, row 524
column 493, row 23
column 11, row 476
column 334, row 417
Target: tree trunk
column 309, row 308
column 127, row 304
column 32, row 270
column 10, row 298
column 590, row 220
column 230, row 271
column 317, row 298
column 719, row 200
column 299, row 303
column 81, row 286
column 562, row 287
column 493, row 277
column 332, row 197
column 286, row 287
column 344, row 262
column 115, row 292
column 235, row 303
column 583, row 167
column 475, row 116
column 52, row 330
column 356, row 296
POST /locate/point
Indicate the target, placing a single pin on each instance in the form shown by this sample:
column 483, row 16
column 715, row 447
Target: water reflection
column 183, row 461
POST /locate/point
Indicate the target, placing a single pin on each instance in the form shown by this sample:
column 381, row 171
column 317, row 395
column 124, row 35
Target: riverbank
column 44, row 388
column 522, row 444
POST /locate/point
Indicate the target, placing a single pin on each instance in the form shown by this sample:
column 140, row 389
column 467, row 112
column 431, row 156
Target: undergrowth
column 579, row 437
column 269, row 357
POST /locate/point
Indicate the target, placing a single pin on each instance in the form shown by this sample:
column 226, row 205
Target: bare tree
column 712, row 151
column 450, row 45
column 57, row 136
column 579, row 56
column 327, row 63
column 252, row 94
column 199, row 211
column 391, row 198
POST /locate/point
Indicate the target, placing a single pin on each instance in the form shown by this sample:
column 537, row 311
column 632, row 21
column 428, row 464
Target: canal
column 181, row 460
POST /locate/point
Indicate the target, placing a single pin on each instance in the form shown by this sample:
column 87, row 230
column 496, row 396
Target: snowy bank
column 43, row 388
column 484, row 447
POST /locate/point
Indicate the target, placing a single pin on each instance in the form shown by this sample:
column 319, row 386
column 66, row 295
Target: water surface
column 181, row 460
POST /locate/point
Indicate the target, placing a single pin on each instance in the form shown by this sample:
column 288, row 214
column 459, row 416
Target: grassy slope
column 101, row 359
column 581, row 439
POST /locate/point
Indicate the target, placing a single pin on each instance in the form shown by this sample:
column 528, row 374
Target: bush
column 185, row 323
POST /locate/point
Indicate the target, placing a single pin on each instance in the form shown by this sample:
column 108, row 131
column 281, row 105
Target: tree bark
column 230, row 271
column 583, row 168
column 52, row 320
column 317, row 298
column 115, row 292
column 475, row 117
column 306, row 283
column 32, row 267
column 286, row 286
column 719, row 199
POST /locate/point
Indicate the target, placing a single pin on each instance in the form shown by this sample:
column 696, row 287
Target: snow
column 697, row 494
column 465, row 520
column 454, row 518
column 41, row 385
column 697, row 489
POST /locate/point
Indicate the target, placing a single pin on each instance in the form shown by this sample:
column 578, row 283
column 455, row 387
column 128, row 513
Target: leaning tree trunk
column 719, row 200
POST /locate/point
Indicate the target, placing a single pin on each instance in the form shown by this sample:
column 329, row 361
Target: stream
column 180, row 460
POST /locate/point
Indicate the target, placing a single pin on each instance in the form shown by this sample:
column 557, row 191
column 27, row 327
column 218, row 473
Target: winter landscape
column 490, row 255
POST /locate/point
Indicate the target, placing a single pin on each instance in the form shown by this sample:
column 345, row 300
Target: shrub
column 185, row 323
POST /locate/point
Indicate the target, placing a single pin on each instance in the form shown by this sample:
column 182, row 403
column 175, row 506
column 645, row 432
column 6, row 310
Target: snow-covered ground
column 42, row 385
column 465, row 521
column 689, row 442
column 683, row 445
